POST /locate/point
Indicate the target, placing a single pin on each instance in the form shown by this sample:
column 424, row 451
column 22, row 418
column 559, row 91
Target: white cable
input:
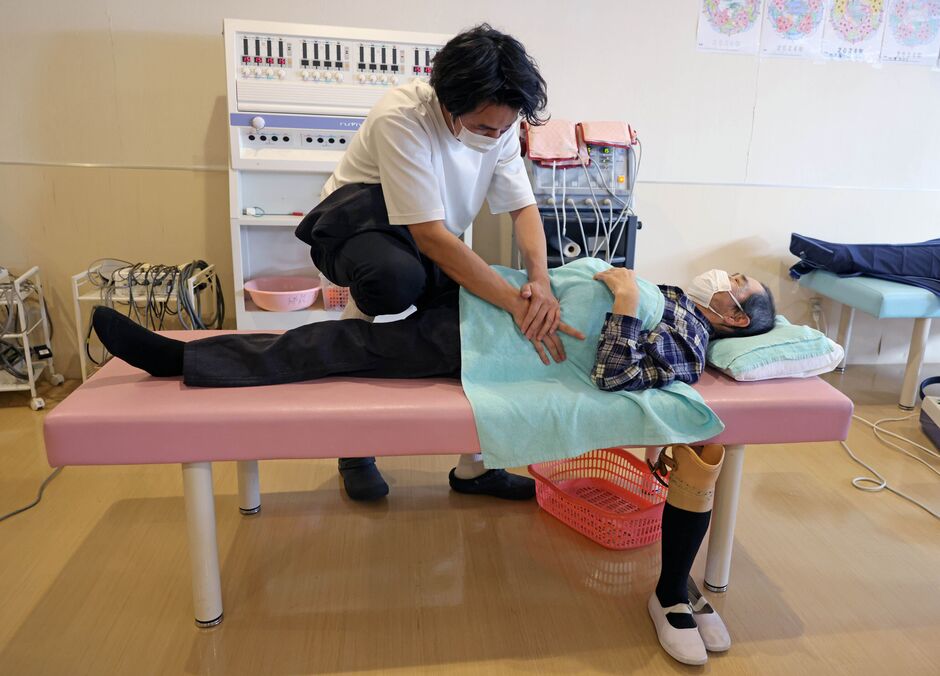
column 597, row 212
column 577, row 214
column 557, row 221
column 610, row 233
column 633, row 177
column 623, row 225
column 638, row 159
column 610, row 191
column 628, row 206
column 880, row 483
column 564, row 214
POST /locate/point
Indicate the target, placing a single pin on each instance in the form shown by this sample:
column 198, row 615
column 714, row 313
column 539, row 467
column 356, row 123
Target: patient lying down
column 427, row 344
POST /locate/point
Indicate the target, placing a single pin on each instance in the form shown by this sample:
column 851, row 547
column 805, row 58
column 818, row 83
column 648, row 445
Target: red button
column 257, row 59
column 246, row 59
column 270, row 60
column 282, row 61
column 427, row 70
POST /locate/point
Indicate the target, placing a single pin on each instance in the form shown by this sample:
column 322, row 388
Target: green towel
column 528, row 412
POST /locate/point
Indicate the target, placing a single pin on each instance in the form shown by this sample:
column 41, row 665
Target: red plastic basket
column 609, row 495
column 335, row 297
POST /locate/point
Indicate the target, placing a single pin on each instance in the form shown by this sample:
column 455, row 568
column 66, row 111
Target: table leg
column 203, row 548
column 721, row 540
column 845, row 333
column 915, row 357
column 249, row 491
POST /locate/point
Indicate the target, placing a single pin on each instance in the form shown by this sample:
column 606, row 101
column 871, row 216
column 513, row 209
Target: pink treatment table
column 119, row 417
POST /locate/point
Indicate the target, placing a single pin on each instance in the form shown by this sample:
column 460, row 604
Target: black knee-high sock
column 157, row 355
column 683, row 532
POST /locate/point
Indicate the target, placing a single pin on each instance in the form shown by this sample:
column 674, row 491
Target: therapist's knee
column 389, row 289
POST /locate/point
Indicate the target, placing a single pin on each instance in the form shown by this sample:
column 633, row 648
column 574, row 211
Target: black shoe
column 362, row 479
column 496, row 482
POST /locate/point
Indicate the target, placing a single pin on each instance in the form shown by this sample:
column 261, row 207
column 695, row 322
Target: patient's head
column 747, row 310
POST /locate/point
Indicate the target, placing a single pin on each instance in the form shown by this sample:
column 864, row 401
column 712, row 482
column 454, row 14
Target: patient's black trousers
column 424, row 345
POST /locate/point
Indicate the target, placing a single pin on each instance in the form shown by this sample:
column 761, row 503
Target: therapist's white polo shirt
column 425, row 172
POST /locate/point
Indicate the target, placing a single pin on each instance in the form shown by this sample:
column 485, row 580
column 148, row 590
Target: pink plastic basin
column 283, row 294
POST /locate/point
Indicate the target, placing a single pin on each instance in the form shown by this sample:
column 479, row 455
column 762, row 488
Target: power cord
column 42, row 487
column 876, row 483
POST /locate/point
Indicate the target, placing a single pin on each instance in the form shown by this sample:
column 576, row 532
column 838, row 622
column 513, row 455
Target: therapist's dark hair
column 482, row 65
column 760, row 307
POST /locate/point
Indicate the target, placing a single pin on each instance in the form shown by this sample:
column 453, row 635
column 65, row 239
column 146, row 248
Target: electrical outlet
column 816, row 312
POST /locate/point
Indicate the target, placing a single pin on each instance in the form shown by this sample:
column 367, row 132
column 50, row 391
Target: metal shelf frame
column 26, row 286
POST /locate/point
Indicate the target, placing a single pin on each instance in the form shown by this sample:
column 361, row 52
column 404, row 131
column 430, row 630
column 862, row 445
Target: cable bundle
column 11, row 354
column 151, row 292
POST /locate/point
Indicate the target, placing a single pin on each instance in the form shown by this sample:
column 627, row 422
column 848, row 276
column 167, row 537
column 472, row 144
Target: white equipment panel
column 297, row 95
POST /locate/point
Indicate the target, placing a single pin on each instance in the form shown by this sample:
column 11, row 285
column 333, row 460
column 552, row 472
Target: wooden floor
column 825, row 579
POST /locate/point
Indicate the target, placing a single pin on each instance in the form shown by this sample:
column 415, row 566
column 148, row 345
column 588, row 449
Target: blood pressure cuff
column 915, row 264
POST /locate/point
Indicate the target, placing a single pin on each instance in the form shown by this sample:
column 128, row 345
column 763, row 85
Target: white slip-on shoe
column 714, row 633
column 683, row 645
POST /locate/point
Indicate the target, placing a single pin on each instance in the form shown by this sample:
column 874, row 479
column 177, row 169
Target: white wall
column 133, row 83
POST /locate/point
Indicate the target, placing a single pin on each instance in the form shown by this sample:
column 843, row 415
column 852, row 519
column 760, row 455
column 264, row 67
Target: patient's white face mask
column 478, row 142
column 707, row 285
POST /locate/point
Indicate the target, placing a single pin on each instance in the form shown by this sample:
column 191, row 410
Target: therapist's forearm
column 460, row 263
column 530, row 238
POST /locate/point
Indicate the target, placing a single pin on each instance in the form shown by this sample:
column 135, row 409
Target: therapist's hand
column 551, row 343
column 544, row 314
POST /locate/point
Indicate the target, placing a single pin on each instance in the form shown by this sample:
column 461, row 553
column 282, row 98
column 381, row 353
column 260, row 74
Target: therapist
column 410, row 184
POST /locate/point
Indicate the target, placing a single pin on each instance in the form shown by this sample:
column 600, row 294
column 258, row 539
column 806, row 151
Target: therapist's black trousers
column 352, row 242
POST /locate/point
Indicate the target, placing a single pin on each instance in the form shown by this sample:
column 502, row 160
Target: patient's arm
column 629, row 358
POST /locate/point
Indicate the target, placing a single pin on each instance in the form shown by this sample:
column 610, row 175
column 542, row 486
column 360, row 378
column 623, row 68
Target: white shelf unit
column 294, row 106
column 81, row 293
column 26, row 286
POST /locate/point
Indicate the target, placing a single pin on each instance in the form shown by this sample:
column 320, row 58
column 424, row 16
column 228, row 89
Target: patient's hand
column 622, row 283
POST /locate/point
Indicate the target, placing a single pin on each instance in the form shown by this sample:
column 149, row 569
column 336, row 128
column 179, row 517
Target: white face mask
column 707, row 285
column 478, row 142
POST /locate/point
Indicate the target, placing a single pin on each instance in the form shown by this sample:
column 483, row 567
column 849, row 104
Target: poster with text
column 912, row 32
column 793, row 27
column 853, row 30
column 729, row 25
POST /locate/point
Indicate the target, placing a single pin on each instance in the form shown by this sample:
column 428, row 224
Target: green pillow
column 785, row 351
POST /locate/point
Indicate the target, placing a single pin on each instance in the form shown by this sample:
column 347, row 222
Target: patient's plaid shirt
column 629, row 358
